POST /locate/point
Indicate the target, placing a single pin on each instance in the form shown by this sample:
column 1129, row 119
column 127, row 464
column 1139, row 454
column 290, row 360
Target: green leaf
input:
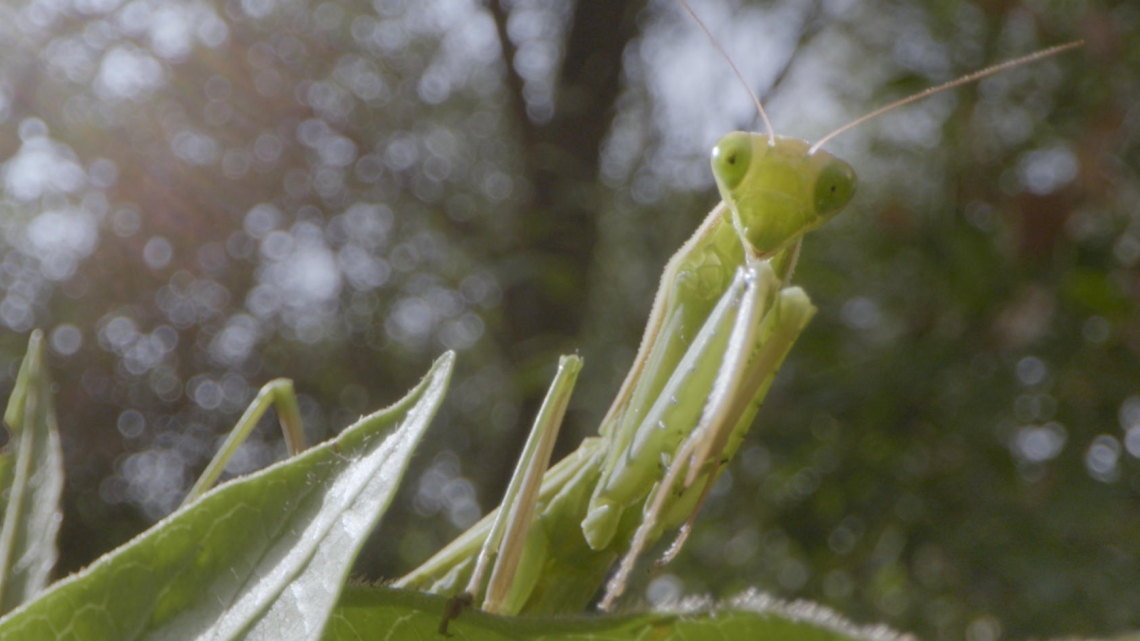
column 389, row 613
column 31, row 478
column 263, row 557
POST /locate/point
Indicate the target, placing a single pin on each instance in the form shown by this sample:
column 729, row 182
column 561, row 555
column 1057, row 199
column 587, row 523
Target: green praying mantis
column 723, row 320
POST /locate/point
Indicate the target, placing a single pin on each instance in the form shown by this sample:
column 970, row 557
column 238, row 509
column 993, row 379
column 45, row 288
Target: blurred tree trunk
column 545, row 278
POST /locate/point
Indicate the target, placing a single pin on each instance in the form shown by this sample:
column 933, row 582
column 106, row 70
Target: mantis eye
column 731, row 158
column 834, row 188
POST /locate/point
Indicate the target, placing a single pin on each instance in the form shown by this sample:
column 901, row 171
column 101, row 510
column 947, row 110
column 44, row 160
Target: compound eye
column 731, row 158
column 834, row 188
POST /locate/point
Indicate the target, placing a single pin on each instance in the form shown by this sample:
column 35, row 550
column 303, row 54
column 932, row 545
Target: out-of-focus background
column 199, row 196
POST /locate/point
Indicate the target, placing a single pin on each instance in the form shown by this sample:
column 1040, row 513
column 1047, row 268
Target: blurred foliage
column 200, row 196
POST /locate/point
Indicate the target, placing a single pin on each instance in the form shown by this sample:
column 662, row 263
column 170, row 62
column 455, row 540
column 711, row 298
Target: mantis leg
column 678, row 406
column 278, row 393
column 448, row 570
column 509, row 534
column 512, row 536
column 760, row 338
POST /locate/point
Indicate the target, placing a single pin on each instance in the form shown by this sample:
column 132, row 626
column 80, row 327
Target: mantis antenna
column 740, row 76
column 977, row 75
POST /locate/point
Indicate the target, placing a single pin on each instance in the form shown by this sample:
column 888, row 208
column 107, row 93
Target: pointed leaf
column 263, row 557
column 31, row 478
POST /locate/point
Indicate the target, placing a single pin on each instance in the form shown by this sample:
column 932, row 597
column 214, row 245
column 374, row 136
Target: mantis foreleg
column 761, row 336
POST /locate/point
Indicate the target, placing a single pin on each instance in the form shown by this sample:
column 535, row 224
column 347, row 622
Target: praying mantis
column 723, row 320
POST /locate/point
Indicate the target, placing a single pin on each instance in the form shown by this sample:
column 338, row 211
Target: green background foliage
column 201, row 196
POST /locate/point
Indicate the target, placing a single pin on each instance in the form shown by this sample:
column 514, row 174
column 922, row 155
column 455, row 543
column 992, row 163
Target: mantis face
column 777, row 188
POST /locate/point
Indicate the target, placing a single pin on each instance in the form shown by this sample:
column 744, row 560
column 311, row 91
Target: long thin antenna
column 977, row 75
column 716, row 43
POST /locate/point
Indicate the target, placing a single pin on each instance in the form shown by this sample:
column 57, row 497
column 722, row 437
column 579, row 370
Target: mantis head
column 779, row 187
